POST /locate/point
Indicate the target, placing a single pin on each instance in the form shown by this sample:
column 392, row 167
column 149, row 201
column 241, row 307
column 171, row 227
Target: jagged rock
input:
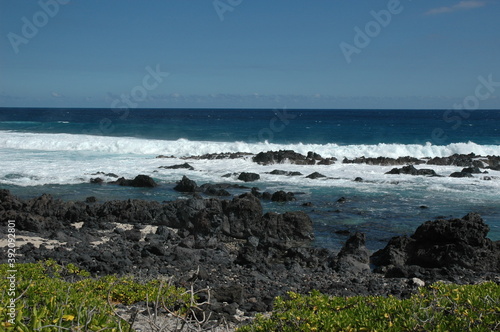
column 180, row 166
column 461, row 175
column 248, row 177
column 292, row 157
column 96, row 180
column 440, row 244
column 111, row 175
column 354, row 258
column 138, row 181
column 282, row 196
column 243, row 215
column 279, row 172
column 411, row 170
column 290, row 226
column 457, row 160
column 384, row 161
column 224, row 155
column 315, row 175
column 91, row 199
column 473, row 170
column 186, row 185
column 214, row 190
column 342, row 200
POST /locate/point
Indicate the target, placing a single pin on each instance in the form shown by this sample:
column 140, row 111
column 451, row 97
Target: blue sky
column 250, row 53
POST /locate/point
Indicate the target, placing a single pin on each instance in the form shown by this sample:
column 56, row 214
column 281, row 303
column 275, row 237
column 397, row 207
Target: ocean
column 58, row 151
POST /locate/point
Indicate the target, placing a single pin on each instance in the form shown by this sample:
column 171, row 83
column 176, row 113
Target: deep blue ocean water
column 57, row 151
column 277, row 125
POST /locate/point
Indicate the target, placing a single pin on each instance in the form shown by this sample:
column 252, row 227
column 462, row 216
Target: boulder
column 279, row 172
column 411, row 170
column 282, row 196
column 248, row 177
column 384, row 161
column 315, row 175
column 243, row 215
column 138, row 181
column 443, row 244
column 457, row 160
column 354, row 258
column 186, row 185
column 461, row 175
column 180, row 166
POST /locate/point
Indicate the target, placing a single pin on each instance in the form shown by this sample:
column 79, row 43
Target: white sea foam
column 184, row 147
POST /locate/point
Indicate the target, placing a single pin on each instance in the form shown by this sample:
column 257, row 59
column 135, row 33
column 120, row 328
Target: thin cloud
column 462, row 5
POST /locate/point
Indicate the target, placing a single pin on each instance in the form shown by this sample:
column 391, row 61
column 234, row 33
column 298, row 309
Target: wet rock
column 111, row 175
column 279, row 172
column 186, row 185
column 224, row 155
column 384, row 161
column 292, row 157
column 282, row 196
column 219, row 189
column 472, row 170
column 96, row 180
column 91, row 199
column 315, row 175
column 461, row 175
column 180, row 166
column 248, row 177
column 139, row 181
column 278, row 157
column 411, row 170
column 457, row 160
column 313, row 155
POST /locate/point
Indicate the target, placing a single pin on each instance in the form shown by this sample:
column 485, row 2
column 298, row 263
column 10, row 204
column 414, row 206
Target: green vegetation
column 51, row 297
column 440, row 307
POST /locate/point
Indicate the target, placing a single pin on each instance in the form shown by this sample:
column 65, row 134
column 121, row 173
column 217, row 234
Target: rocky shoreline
column 245, row 256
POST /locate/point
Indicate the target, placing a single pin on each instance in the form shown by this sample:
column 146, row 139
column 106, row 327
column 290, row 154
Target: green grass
column 440, row 307
column 51, row 297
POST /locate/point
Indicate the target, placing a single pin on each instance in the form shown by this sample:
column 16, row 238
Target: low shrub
column 440, row 307
column 51, row 297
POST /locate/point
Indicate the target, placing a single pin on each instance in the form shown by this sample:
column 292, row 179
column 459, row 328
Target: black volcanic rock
column 354, row 258
column 442, row 244
column 472, row 170
column 457, row 160
column 411, row 170
column 280, row 172
column 186, row 185
column 96, row 180
column 315, row 175
column 138, row 181
column 278, row 157
column 248, row 177
column 292, row 157
column 243, row 212
column 245, row 257
column 461, row 175
column 282, row 196
column 180, row 166
column 384, row 161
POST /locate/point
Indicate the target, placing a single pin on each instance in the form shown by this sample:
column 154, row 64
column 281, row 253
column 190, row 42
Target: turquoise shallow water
column 57, row 151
